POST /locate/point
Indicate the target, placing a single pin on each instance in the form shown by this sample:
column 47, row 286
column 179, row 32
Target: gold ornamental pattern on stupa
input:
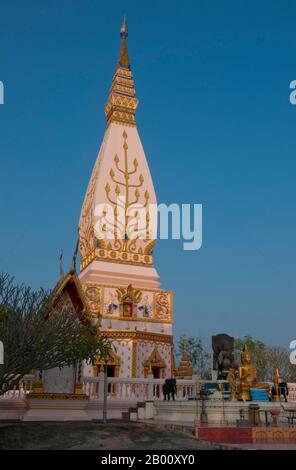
column 125, row 189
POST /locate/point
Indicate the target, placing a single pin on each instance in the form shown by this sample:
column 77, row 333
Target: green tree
column 37, row 336
column 279, row 357
column 198, row 355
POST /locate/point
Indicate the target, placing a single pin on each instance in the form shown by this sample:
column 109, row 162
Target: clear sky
column 217, row 126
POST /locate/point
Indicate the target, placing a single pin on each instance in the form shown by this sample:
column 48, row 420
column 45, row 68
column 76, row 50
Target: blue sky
column 217, row 127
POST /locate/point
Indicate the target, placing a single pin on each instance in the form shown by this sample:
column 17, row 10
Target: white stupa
column 116, row 240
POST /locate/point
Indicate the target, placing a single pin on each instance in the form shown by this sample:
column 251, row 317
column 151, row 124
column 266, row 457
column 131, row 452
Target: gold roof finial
column 124, row 30
column 61, row 264
column 123, row 56
column 73, row 267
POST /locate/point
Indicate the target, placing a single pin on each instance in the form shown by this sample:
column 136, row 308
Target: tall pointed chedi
column 119, row 190
column 117, row 233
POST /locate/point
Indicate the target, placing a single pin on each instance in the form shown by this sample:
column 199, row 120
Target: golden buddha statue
column 276, row 380
column 232, row 385
column 247, row 375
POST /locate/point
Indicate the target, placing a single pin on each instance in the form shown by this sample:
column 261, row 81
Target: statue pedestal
column 56, row 407
column 57, row 398
column 59, row 380
column 244, row 392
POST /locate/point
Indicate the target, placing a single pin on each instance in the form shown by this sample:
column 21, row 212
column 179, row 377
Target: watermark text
column 293, row 93
column 293, row 353
column 1, row 93
column 125, row 221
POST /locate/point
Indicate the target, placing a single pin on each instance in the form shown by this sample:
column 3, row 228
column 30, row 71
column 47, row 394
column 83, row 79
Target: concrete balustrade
column 137, row 389
column 19, row 391
column 125, row 394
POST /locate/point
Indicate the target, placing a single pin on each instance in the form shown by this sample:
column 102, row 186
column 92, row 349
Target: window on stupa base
column 129, row 299
column 127, row 309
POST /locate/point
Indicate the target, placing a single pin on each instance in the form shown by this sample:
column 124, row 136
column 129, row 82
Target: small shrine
column 184, row 370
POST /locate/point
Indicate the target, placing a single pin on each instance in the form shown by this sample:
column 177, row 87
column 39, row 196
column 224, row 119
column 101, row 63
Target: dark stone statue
column 283, row 391
column 223, row 357
column 169, row 388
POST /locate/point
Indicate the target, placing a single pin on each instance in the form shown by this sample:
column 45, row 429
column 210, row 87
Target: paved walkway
column 261, row 446
column 96, row 436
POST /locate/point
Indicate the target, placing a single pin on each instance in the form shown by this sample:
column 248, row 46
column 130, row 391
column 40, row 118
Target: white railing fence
column 120, row 388
column 135, row 389
column 19, row 391
column 292, row 392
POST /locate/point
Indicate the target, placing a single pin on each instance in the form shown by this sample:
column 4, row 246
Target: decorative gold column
column 134, row 359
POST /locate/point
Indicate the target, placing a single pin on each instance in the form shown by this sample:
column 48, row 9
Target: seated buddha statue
column 247, row 376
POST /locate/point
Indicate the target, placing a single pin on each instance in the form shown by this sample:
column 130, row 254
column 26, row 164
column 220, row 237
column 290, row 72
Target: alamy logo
column 122, row 220
column 1, row 353
column 1, row 93
column 293, row 93
column 293, row 353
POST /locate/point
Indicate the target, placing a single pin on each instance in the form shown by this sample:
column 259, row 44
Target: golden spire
column 185, row 345
column 123, row 56
column 124, row 30
column 122, row 102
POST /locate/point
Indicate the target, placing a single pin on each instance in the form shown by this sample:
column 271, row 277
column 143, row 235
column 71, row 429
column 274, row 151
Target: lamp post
column 105, row 397
column 203, row 394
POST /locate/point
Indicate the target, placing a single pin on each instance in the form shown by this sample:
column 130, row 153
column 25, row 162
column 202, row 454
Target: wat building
column 117, row 273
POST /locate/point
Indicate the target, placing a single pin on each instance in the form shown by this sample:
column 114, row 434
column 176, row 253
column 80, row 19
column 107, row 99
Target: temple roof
column 69, row 286
column 70, row 290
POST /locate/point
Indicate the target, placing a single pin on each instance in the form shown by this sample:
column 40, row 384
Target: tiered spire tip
column 123, row 56
column 124, row 30
column 122, row 102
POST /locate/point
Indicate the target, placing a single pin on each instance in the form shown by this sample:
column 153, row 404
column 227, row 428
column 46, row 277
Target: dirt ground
column 95, row 436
